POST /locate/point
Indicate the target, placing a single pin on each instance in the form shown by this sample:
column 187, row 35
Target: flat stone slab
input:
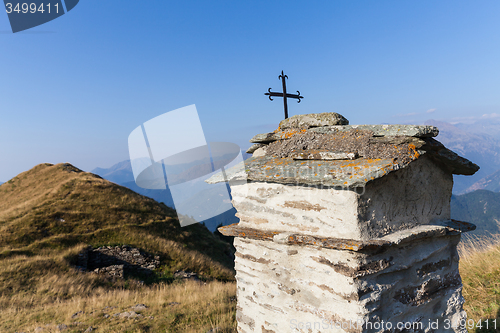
column 450, row 227
column 314, row 120
column 312, row 169
column 418, row 131
column 322, row 155
column 376, row 130
column 344, row 173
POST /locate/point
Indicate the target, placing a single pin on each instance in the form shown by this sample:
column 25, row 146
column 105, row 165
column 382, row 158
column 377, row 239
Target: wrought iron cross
column 283, row 94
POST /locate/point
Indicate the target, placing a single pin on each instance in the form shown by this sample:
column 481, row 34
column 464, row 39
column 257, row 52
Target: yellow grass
column 480, row 271
column 51, row 212
column 200, row 307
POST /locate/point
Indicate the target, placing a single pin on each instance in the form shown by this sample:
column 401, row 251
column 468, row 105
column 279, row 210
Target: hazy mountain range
column 197, row 204
column 470, row 142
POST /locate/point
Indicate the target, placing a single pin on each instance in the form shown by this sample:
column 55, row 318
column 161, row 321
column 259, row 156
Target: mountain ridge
column 61, row 207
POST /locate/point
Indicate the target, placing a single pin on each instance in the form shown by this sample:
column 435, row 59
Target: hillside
column 490, row 183
column 479, row 207
column 49, row 213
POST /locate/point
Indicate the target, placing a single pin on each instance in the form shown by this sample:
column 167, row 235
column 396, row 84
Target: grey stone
column 265, row 138
column 62, row 327
column 254, row 147
column 455, row 163
column 76, row 314
column 322, row 155
column 344, row 173
column 419, row 131
column 376, row 130
column 114, row 262
column 314, row 120
column 260, row 152
column 39, row 329
column 186, row 275
column 90, row 329
column 139, row 307
column 130, row 315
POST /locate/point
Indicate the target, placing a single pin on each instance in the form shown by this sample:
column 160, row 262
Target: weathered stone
column 314, row 120
column 343, row 173
column 337, row 286
column 130, row 315
column 355, row 240
column 311, row 168
column 419, row 131
column 116, row 262
column 260, row 152
column 254, row 147
column 375, row 245
column 322, row 155
column 456, row 164
column 186, row 275
column 397, row 140
column 139, row 307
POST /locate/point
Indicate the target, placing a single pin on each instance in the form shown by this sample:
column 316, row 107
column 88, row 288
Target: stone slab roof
column 445, row 228
column 321, row 149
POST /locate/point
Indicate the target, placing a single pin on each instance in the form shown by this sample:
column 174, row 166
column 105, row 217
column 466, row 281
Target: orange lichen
column 413, row 151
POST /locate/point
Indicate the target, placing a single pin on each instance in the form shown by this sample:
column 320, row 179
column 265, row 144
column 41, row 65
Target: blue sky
column 73, row 89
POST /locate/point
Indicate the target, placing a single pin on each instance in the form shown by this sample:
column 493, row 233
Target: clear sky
column 73, row 89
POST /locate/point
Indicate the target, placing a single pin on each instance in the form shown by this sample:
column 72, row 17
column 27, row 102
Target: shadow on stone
column 118, row 262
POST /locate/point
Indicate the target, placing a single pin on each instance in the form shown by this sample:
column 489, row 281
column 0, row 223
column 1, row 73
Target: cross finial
column 283, row 94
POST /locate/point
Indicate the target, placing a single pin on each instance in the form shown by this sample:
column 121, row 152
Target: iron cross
column 283, row 94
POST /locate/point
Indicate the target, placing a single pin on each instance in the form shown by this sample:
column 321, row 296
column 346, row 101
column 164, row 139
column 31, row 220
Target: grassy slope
column 480, row 272
column 49, row 213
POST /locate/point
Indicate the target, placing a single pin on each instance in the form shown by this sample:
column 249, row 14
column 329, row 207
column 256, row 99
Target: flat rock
column 139, row 307
column 419, row 131
column 314, row 120
column 344, row 173
column 322, row 155
column 253, row 148
column 375, row 130
column 455, row 163
column 131, row 314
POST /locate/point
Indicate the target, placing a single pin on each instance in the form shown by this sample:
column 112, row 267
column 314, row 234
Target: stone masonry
column 347, row 229
column 116, row 262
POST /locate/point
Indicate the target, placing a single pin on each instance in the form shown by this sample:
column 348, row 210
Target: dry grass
column 183, row 307
column 51, row 212
column 480, row 271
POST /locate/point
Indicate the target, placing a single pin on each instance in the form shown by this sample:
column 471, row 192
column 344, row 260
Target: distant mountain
column 52, row 208
column 481, row 148
column 479, row 207
column 122, row 174
column 119, row 173
column 490, row 183
column 484, row 125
